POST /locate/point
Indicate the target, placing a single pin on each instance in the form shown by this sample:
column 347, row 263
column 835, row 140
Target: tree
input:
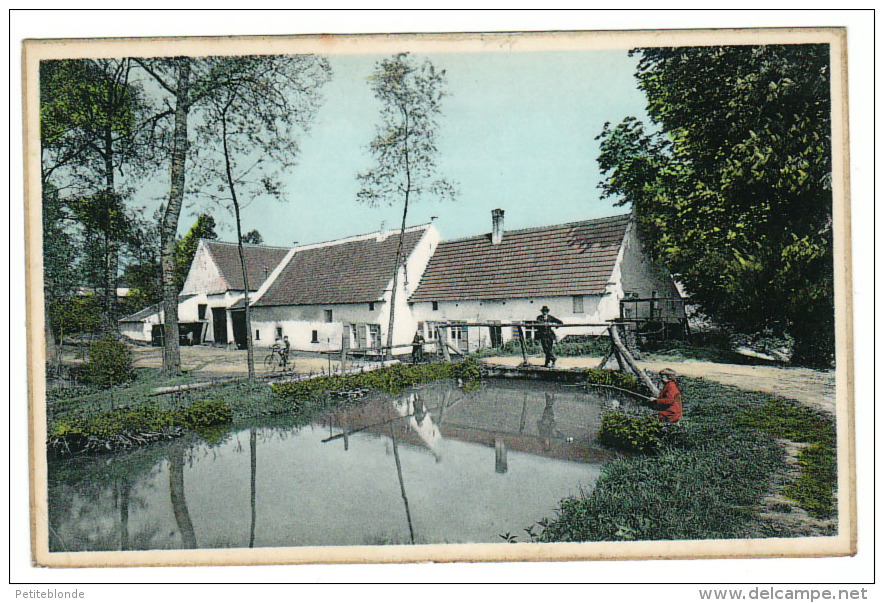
column 185, row 249
column 89, row 111
column 254, row 120
column 404, row 149
column 253, row 237
column 191, row 84
column 732, row 188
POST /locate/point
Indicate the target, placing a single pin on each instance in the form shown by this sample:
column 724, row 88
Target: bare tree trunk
column 389, row 353
column 171, row 351
column 242, row 260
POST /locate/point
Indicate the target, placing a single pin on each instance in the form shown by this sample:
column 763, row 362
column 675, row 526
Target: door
column 240, row 336
column 219, row 324
column 496, row 336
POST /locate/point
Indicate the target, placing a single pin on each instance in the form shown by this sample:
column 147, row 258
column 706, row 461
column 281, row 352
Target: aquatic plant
column 391, row 380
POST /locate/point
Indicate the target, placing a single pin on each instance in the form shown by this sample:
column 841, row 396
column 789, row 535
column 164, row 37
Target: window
column 578, row 304
column 371, row 306
column 374, row 335
column 257, row 335
column 279, row 332
column 314, row 337
column 201, row 309
column 328, row 316
column 435, row 305
column 432, row 331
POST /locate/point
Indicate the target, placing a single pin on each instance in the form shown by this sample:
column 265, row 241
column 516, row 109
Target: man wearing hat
column 669, row 401
column 546, row 336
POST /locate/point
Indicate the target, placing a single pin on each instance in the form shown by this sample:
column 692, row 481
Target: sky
column 516, row 132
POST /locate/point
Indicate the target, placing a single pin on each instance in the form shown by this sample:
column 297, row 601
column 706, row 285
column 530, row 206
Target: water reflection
column 409, row 468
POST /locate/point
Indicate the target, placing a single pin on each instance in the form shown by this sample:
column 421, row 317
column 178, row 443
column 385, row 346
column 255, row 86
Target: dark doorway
column 496, row 337
column 219, row 324
column 238, row 320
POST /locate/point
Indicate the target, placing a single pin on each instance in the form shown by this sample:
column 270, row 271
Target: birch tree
column 249, row 137
column 404, row 148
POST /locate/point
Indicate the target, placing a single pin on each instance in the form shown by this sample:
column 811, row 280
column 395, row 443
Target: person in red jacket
column 668, row 402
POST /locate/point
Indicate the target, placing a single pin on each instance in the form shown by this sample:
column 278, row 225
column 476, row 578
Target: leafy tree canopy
column 731, row 187
column 253, row 237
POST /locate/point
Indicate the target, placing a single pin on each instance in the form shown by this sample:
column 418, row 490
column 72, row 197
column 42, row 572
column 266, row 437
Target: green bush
column 203, row 413
column 597, row 376
column 630, row 433
column 110, row 363
column 141, row 420
column 391, row 380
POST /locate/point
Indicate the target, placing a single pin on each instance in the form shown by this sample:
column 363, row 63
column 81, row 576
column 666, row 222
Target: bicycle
column 276, row 359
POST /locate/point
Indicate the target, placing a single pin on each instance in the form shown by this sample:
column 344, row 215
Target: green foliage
column 75, row 316
column 705, row 481
column 110, row 363
column 814, row 488
column 185, row 249
column 598, row 376
column 630, row 433
column 204, row 413
column 790, row 421
column 708, row 491
column 133, row 424
column 253, row 237
column 732, row 187
column 594, row 346
column 59, row 258
column 391, row 380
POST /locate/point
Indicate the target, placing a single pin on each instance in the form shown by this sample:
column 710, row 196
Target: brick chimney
column 496, row 226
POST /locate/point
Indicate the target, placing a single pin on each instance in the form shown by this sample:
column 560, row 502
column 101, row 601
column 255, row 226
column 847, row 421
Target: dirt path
column 814, row 388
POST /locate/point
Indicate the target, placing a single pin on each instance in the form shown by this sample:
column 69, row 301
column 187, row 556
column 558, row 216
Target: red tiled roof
column 339, row 273
column 567, row 259
column 260, row 262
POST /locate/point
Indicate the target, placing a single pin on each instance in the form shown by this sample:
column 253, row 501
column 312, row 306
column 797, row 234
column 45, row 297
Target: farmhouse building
column 326, row 295
column 581, row 271
column 214, row 284
column 321, row 293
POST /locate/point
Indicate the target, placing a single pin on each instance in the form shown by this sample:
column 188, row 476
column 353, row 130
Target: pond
column 434, row 464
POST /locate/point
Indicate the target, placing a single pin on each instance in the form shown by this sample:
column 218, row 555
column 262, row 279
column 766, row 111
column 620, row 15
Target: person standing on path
column 546, row 336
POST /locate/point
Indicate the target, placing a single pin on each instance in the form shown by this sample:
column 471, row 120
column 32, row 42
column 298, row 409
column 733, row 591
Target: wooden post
column 443, row 343
column 523, row 346
column 345, row 347
column 626, row 356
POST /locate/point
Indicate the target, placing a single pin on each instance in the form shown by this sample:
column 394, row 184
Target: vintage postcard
column 449, row 297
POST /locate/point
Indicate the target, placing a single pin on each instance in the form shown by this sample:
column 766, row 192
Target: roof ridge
column 538, row 228
column 216, row 241
column 361, row 237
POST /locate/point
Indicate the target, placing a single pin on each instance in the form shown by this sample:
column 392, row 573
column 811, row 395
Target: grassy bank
column 713, row 483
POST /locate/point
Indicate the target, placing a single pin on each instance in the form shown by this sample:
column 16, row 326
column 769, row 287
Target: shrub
column 122, row 427
column 203, row 413
column 110, row 363
column 630, row 433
